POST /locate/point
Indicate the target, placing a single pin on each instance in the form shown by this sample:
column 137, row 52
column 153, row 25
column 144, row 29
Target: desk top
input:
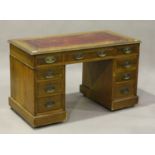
column 76, row 41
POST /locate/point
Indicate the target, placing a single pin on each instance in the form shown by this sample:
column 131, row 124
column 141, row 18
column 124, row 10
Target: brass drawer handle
column 126, row 76
column 79, row 56
column 50, row 59
column 125, row 91
column 49, row 104
column 101, row 53
column 127, row 64
column 49, row 74
column 50, row 89
column 127, row 50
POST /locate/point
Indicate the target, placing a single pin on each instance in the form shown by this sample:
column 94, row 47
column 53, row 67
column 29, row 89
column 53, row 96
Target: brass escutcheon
column 127, row 50
column 124, row 91
column 49, row 104
column 50, row 89
column 101, row 53
column 126, row 76
column 79, row 56
column 49, row 74
column 50, row 59
column 127, row 64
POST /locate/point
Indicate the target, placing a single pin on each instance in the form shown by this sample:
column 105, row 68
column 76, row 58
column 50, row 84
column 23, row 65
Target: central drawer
column 49, row 88
column 86, row 55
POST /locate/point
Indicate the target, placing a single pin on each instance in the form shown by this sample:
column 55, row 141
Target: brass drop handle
column 127, row 50
column 126, row 76
column 101, row 53
column 50, row 59
column 49, row 74
column 127, row 64
column 79, row 56
column 49, row 104
column 50, row 89
column 124, row 91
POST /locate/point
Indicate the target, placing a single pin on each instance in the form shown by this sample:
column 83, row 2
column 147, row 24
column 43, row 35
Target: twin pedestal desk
column 37, row 65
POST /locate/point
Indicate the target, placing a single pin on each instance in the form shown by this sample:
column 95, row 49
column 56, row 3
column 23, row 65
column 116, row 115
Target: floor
column 84, row 115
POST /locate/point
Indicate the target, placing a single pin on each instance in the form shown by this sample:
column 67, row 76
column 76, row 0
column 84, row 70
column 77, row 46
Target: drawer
column 50, row 103
column 124, row 90
column 127, row 49
column 50, row 73
column 49, row 88
column 126, row 76
column 78, row 56
column 127, row 63
column 48, row 59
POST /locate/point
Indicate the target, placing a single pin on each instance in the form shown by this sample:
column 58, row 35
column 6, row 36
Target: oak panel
column 22, row 84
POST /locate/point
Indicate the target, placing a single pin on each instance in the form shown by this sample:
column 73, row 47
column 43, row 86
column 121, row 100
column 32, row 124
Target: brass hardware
column 50, row 89
column 127, row 64
column 79, row 56
column 124, row 91
column 127, row 50
column 126, row 76
column 101, row 53
column 49, row 74
column 49, row 104
column 50, row 59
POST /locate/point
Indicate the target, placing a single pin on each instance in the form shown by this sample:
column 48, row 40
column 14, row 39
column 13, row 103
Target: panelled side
column 22, row 80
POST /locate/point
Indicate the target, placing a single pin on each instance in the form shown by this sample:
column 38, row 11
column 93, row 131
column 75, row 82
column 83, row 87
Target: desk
column 37, row 66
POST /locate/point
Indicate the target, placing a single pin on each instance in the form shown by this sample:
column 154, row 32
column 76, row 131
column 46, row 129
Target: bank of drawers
column 126, row 74
column 49, row 89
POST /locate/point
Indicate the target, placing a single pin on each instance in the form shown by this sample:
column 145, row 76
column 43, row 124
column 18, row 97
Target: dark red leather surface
column 80, row 39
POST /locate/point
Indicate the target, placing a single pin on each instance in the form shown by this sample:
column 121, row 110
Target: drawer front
column 78, row 56
column 50, row 103
column 124, row 90
column 126, row 76
column 127, row 63
column 50, row 73
column 49, row 59
column 49, row 88
column 127, row 49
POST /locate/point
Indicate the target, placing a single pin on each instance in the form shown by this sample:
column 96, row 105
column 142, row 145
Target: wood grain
column 97, row 79
column 22, row 84
column 107, row 67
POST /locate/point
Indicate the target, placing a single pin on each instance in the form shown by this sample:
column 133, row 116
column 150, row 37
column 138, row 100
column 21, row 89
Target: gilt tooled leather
column 65, row 41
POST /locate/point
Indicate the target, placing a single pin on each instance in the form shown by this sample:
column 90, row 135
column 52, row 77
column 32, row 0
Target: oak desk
column 37, row 65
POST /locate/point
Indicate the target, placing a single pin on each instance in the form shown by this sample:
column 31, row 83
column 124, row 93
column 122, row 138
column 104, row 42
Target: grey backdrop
column 84, row 115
